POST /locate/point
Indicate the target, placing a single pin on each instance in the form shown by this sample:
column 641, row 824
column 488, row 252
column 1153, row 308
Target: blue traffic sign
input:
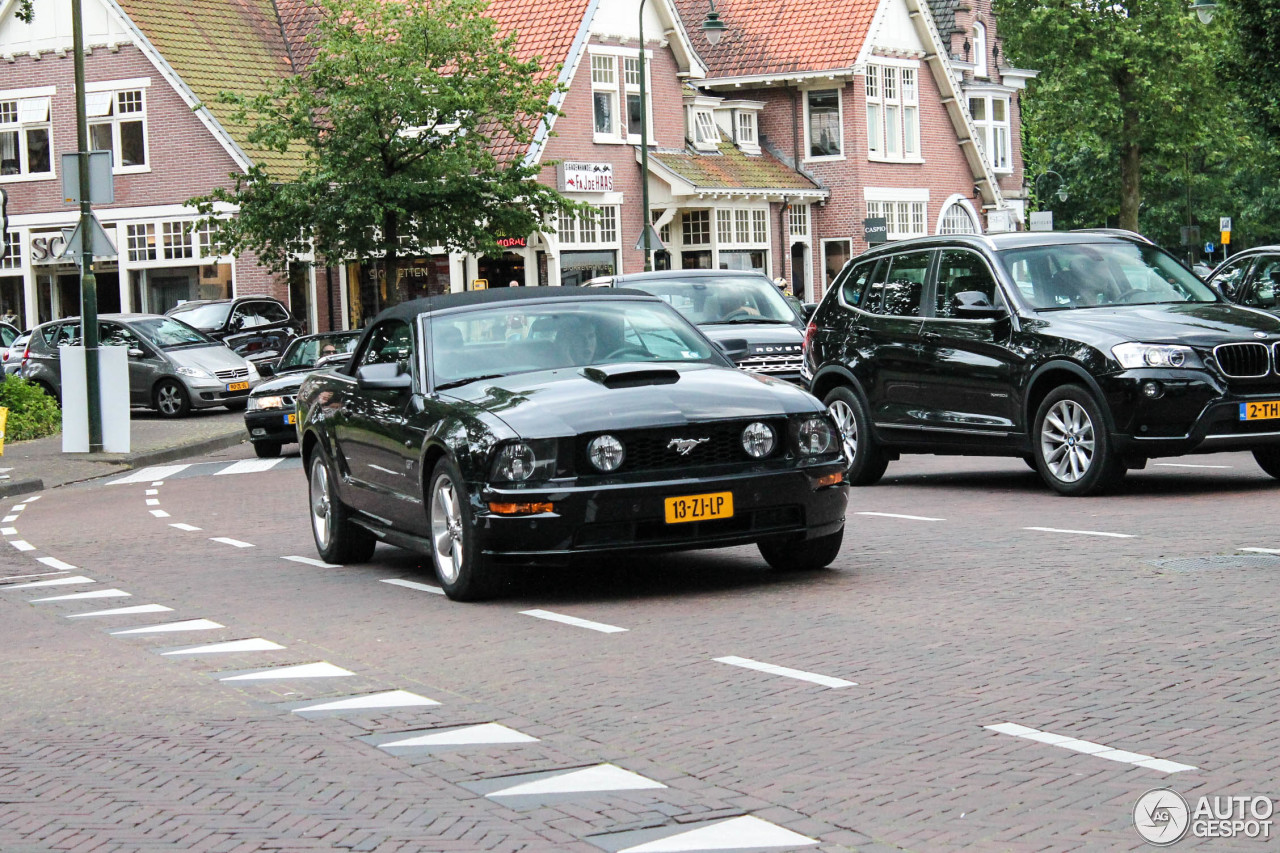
column 1208, row 248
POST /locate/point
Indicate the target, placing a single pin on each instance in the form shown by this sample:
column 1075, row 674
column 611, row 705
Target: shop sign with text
column 585, row 177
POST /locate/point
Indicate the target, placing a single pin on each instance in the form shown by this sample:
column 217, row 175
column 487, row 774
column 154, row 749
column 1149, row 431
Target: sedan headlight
column 521, row 461
column 193, row 372
column 816, row 437
column 266, row 403
column 758, row 440
column 606, row 453
column 1155, row 355
column 253, row 372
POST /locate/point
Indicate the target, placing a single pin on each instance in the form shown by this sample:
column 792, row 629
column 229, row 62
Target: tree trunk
column 1130, row 156
column 391, row 247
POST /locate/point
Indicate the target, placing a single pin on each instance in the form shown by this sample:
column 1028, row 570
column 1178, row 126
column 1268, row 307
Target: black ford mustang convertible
column 515, row 426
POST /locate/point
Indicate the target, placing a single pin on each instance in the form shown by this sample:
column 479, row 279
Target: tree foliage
column 396, row 130
column 1250, row 62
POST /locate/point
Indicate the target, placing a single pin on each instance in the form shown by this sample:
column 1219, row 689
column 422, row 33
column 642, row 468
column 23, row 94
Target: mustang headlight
column 758, row 440
column 266, row 403
column 816, row 437
column 1155, row 355
column 521, row 461
column 606, row 453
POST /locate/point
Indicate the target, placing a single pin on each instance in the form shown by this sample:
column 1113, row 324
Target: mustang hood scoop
column 631, row 375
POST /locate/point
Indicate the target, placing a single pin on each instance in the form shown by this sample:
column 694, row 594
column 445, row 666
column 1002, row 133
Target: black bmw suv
column 1086, row 354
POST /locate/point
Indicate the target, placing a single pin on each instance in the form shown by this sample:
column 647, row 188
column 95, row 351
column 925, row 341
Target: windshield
column 167, row 333
column 1091, row 275
column 305, row 352
column 498, row 342
column 209, row 316
column 728, row 299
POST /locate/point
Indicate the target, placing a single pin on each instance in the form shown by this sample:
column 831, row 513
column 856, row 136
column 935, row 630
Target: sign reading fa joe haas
column 585, row 177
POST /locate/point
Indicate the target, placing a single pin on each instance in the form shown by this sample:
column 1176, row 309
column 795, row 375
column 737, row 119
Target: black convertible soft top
column 429, row 304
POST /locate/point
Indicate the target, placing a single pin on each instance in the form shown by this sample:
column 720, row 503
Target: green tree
column 1133, row 77
column 1252, row 45
column 396, row 131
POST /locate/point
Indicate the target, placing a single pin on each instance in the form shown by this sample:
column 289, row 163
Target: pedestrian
column 513, row 283
column 10, row 317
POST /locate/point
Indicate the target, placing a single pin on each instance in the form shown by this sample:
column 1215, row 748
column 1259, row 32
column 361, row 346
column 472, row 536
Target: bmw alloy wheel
column 847, row 422
column 1067, row 441
column 446, row 530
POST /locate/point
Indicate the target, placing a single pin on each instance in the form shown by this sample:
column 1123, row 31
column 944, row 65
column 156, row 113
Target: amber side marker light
column 829, row 480
column 520, row 509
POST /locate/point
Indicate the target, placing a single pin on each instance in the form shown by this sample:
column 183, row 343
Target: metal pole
column 88, row 283
column 644, row 152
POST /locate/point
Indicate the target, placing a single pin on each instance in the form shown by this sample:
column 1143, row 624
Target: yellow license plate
column 291, row 418
column 1261, row 411
column 238, row 386
column 699, row 507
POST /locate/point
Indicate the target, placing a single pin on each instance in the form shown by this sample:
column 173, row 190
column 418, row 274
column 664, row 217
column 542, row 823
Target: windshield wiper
column 459, row 382
column 746, row 321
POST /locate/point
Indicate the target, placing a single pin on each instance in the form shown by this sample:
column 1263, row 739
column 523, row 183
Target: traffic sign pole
column 88, row 282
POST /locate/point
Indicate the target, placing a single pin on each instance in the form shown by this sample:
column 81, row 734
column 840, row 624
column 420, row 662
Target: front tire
column 171, row 399
column 267, row 449
column 1268, row 459
column 791, row 555
column 1072, row 447
column 338, row 538
column 465, row 574
column 867, row 461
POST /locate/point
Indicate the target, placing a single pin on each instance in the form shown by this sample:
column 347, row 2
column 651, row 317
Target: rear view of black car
column 1086, row 354
column 743, row 311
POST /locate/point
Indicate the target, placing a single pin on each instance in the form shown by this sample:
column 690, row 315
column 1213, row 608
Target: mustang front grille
column 703, row 444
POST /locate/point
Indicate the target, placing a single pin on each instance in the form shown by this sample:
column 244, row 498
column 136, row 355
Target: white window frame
column 703, row 132
column 799, row 222
column 746, row 129
column 28, row 101
column 905, row 210
column 109, row 93
column 893, row 89
column 994, row 137
column 598, row 63
column 13, row 257
column 808, row 140
column 958, row 203
column 686, row 232
column 630, row 89
column 594, row 229
column 980, row 59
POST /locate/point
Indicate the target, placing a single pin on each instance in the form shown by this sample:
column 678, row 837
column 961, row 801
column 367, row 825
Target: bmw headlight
column 816, row 437
column 194, row 372
column 758, row 440
column 266, row 403
column 521, row 461
column 1155, row 355
column 606, row 453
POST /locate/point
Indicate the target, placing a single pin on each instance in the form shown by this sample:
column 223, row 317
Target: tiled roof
column 780, row 36
column 944, row 12
column 220, row 45
column 732, row 170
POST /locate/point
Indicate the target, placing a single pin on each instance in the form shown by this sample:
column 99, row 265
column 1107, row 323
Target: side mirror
column 808, row 310
column 735, row 348
column 383, row 377
column 134, row 352
column 265, row 368
column 974, row 305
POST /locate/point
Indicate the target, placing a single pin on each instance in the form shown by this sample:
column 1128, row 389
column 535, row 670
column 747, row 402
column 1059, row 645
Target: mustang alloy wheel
column 465, row 574
column 1072, row 446
column 866, row 460
column 338, row 539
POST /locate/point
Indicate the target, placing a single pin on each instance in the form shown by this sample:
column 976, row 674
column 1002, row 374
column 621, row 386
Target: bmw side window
column 962, row 272
column 855, row 283
column 904, row 286
column 270, row 312
column 1232, row 278
column 1266, row 283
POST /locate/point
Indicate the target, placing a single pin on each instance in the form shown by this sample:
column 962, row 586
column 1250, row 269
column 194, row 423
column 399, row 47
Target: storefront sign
column 585, row 177
column 512, row 242
column 47, row 248
column 875, row 230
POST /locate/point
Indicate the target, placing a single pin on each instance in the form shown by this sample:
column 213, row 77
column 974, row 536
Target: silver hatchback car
column 173, row 368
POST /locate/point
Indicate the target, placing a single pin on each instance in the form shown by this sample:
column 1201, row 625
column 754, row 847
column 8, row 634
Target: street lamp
column 713, row 28
column 1204, row 9
column 1062, row 184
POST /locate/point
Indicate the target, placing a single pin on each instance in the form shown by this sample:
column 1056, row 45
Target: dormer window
column 745, row 127
column 702, row 129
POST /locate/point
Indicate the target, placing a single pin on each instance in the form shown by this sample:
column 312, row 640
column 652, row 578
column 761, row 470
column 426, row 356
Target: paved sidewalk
column 41, row 464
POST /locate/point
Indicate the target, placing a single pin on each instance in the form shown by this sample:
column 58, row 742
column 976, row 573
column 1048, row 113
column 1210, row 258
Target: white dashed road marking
column 249, row 466
column 187, row 527
column 8, row 531
column 22, row 544
column 602, row 777
column 1188, row 465
column 124, row 611
column 321, row 669
column 1097, row 750
column 169, row 627
column 387, row 699
column 1082, row 532
column 422, row 587
column 824, row 680
column 17, row 507
column 257, row 644
column 55, row 563
column 1261, row 550
column 486, row 733
column 236, row 543
column 898, row 515
column 312, row 561
column 9, row 518
column 80, row 596
column 153, row 491
column 153, row 502
column 158, row 472
column 24, row 577
column 159, row 513
column 740, row 833
column 57, row 582
column 572, row 620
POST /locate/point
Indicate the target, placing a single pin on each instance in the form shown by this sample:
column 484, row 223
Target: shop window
column 25, row 137
column 823, row 127
column 118, row 123
column 903, row 218
column 140, row 240
column 696, row 228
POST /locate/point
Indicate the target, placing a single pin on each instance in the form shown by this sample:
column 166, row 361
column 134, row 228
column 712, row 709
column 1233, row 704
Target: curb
column 20, row 487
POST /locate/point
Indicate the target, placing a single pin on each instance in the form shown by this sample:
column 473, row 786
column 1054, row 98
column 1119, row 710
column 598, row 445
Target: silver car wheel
column 446, row 529
column 1067, row 441
column 847, row 422
column 321, row 503
column 169, row 399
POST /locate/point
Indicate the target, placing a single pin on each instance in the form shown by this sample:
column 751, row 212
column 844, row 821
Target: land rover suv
column 1086, row 354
